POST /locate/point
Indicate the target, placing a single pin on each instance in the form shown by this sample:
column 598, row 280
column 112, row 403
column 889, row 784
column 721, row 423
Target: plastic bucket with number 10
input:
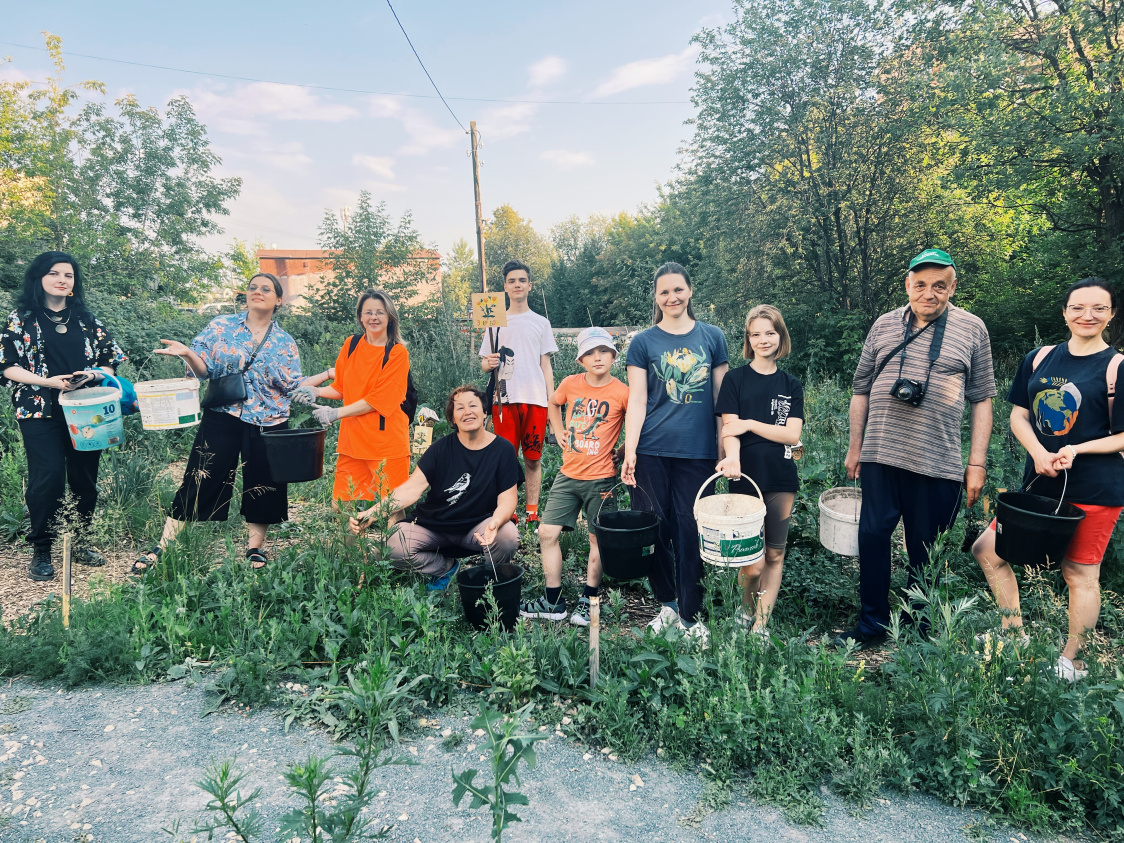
column 731, row 527
column 93, row 415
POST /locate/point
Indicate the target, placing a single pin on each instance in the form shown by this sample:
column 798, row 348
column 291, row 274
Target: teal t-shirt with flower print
column 680, row 417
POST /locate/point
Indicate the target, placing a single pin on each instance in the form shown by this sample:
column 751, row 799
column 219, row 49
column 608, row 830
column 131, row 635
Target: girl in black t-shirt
column 473, row 479
column 762, row 411
column 1061, row 416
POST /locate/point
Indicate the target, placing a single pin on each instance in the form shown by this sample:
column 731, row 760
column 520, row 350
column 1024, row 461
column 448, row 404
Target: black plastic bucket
column 627, row 541
column 506, row 589
column 1027, row 532
column 295, row 456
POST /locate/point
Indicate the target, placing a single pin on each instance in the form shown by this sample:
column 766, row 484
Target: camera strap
column 934, row 349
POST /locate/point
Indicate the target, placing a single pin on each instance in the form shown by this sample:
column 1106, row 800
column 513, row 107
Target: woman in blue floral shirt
column 45, row 344
column 232, row 433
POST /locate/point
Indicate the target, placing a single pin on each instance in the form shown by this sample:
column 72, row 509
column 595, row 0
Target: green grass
column 774, row 721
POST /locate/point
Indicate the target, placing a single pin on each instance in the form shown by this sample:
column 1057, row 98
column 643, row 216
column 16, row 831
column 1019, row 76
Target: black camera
column 908, row 391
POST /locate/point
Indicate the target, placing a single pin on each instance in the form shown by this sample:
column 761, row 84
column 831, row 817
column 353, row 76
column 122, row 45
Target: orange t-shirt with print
column 385, row 433
column 593, row 424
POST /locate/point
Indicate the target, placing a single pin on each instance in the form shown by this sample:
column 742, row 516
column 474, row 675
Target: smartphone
column 81, row 379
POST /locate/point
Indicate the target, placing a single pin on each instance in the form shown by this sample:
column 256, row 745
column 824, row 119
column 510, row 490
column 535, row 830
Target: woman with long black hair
column 51, row 344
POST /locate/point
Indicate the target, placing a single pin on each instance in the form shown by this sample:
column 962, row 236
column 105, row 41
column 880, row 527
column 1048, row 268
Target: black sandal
column 256, row 558
column 144, row 562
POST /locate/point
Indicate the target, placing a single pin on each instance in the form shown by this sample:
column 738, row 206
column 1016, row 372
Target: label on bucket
column 729, row 546
column 170, row 409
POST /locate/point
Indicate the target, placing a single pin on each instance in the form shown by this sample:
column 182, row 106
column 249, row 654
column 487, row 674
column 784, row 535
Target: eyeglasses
column 266, row 288
column 1095, row 309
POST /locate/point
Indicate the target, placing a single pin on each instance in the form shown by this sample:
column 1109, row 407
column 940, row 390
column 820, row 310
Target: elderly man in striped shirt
column 919, row 365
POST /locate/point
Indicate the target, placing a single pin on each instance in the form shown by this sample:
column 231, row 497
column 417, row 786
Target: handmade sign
column 423, row 438
column 488, row 310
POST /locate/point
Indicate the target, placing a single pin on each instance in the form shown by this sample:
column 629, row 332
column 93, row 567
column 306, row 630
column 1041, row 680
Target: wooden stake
column 66, row 570
column 594, row 640
column 479, row 212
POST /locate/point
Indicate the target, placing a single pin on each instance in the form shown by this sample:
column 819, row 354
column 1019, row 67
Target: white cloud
column 563, row 159
column 241, row 111
column 547, row 70
column 506, row 121
column 424, row 133
column 284, row 155
column 380, row 165
column 638, row 74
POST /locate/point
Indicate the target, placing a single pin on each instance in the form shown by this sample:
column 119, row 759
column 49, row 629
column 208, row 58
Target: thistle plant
column 506, row 749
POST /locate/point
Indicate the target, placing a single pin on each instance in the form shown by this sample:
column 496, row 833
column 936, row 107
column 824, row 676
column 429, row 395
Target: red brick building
column 301, row 271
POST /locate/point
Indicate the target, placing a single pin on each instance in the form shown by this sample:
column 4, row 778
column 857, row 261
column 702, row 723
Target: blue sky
column 300, row 151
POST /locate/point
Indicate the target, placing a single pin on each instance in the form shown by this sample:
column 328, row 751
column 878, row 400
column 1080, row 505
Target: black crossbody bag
column 231, row 389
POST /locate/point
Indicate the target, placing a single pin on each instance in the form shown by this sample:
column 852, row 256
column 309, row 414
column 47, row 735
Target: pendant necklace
column 60, row 323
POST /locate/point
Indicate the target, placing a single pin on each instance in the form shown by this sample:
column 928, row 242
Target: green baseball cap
column 933, row 256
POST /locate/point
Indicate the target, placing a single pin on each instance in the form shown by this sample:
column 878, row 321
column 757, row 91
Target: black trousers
column 52, row 465
column 671, row 484
column 221, row 442
column 926, row 506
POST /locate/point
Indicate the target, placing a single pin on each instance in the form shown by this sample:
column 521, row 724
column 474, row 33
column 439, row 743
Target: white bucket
column 731, row 527
column 168, row 404
column 93, row 416
column 839, row 520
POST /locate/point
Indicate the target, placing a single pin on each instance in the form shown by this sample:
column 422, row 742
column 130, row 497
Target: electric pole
column 479, row 214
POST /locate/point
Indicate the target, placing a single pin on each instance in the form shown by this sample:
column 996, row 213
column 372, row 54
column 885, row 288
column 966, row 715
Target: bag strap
column 1041, row 355
column 254, row 356
column 353, row 344
column 900, row 346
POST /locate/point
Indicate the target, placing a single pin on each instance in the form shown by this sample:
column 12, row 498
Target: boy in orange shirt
column 588, row 437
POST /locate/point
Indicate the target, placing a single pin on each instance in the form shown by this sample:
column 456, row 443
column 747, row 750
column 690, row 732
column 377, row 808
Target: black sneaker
column 863, row 640
column 89, row 557
column 41, row 568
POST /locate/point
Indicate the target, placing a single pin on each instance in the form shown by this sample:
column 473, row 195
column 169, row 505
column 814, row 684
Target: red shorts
column 523, row 425
column 1089, row 543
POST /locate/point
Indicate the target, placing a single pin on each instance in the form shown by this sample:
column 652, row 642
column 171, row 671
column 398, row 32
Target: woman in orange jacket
column 373, row 450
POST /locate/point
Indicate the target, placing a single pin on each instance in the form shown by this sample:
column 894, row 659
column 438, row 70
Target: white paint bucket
column 731, row 527
column 168, row 404
column 839, row 520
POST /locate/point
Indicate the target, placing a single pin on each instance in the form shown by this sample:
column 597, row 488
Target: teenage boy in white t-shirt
column 525, row 379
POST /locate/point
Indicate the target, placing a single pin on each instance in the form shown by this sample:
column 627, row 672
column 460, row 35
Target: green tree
column 507, row 236
column 370, row 250
column 459, row 279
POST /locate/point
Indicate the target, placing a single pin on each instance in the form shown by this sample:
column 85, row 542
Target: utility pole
column 479, row 213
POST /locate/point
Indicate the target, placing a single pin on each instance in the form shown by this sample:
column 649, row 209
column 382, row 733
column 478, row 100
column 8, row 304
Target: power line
column 422, row 63
column 499, row 100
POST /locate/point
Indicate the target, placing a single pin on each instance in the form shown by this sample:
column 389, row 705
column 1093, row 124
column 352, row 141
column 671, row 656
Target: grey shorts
column 568, row 497
column 778, row 512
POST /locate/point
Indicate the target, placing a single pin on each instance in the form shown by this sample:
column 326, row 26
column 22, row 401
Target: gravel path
column 116, row 764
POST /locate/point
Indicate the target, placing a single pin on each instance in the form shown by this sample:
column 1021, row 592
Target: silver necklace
column 60, row 324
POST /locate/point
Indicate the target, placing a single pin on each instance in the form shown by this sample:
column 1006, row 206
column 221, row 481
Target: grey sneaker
column 41, row 568
column 581, row 613
column 1066, row 671
column 539, row 608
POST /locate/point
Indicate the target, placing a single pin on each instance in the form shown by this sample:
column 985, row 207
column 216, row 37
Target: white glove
column 304, row 395
column 327, row 416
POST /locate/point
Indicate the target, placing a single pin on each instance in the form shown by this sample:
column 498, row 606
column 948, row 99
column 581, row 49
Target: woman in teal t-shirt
column 675, row 369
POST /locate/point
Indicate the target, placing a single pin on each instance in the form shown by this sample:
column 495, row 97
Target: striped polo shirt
column 923, row 439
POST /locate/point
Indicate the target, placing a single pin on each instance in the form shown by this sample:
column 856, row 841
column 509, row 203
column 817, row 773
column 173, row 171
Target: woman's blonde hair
column 393, row 326
column 767, row 311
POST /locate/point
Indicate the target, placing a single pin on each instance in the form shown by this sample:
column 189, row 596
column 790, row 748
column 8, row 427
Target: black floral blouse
column 21, row 344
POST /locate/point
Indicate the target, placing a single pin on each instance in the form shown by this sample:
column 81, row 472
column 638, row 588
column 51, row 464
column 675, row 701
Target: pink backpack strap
column 1110, row 380
column 1041, row 355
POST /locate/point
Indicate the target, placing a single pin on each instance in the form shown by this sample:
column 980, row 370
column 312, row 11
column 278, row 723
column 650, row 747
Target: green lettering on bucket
column 738, row 548
column 187, row 419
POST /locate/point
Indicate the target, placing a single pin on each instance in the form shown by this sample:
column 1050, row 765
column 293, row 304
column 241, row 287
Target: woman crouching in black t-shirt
column 762, row 411
column 1061, row 415
column 473, row 477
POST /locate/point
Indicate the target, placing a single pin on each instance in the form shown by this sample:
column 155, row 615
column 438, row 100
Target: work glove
column 304, row 395
column 327, row 416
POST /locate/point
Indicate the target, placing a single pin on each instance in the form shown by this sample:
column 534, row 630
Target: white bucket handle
column 694, row 508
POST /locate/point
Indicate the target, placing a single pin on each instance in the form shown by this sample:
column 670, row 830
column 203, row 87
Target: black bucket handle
column 597, row 517
column 1065, row 484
